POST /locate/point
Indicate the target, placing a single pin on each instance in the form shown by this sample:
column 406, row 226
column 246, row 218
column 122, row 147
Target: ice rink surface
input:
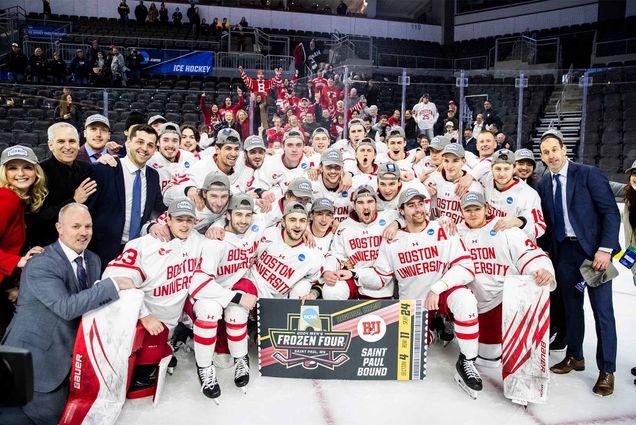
column 436, row 400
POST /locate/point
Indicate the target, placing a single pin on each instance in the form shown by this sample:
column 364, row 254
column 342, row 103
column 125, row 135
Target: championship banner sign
column 38, row 31
column 361, row 340
column 177, row 62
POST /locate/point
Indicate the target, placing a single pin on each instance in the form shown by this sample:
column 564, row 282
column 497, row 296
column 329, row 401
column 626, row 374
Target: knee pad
column 236, row 313
column 207, row 310
column 463, row 304
column 340, row 291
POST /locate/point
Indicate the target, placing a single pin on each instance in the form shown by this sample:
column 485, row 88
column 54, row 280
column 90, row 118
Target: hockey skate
column 489, row 363
column 172, row 365
column 179, row 340
column 448, row 331
column 242, row 373
column 467, row 377
column 209, row 384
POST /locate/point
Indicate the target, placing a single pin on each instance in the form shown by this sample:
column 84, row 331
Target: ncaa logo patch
column 371, row 328
column 382, row 222
column 254, row 228
column 509, row 200
column 304, row 165
column 186, row 164
column 345, row 194
column 493, row 233
column 430, row 231
column 301, row 257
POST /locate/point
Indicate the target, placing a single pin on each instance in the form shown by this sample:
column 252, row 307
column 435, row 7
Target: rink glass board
column 361, row 340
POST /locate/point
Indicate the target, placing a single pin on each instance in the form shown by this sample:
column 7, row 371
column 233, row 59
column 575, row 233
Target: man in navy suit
column 128, row 195
column 56, row 288
column 583, row 223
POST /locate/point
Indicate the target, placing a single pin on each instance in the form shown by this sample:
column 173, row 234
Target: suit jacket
column 49, row 310
column 592, row 209
column 108, row 207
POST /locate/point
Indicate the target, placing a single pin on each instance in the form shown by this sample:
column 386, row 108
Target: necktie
column 81, row 273
column 135, row 211
column 97, row 155
column 559, row 220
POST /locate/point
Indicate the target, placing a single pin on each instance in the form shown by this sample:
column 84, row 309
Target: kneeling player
column 497, row 254
column 431, row 265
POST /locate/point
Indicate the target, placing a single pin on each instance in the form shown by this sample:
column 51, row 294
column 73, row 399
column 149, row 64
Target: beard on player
column 295, row 225
column 239, row 221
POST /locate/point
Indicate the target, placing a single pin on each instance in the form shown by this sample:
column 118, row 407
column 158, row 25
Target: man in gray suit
column 56, row 288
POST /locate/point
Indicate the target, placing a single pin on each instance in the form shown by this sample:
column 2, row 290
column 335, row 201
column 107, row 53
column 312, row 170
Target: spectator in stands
column 215, row 27
column 100, row 72
column 275, row 134
column 211, row 116
column 395, row 118
column 92, row 51
column 225, row 25
column 410, row 130
column 177, row 17
column 325, row 119
column 124, row 10
column 57, row 69
column 163, row 13
column 17, row 62
column 153, row 14
column 309, row 123
column 372, row 93
column 69, row 112
column 452, row 106
column 22, row 190
column 141, row 12
column 37, row 61
column 80, row 68
column 46, row 8
column 337, row 127
column 196, row 21
column 449, row 129
column 426, row 115
column 491, row 116
column 353, row 96
column 234, row 108
column 341, row 10
column 240, row 30
column 134, row 64
column 502, row 141
column 155, row 122
column 243, row 124
column 226, row 122
column 190, row 12
column 629, row 217
column 469, row 142
column 189, row 138
column 478, row 125
column 381, row 128
column 443, row 120
column 118, row 69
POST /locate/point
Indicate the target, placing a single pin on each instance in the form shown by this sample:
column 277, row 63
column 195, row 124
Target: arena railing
column 252, row 61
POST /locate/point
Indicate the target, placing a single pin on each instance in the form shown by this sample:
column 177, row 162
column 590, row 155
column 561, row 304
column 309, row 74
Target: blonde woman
column 22, row 189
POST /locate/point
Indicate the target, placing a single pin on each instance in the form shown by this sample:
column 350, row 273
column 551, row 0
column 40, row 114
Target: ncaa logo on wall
column 371, row 328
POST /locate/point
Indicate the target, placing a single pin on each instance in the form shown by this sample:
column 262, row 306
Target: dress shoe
column 604, row 385
column 567, row 365
column 634, row 371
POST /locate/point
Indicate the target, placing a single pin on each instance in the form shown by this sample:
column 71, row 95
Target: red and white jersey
column 445, row 202
column 392, row 204
column 279, row 267
column 349, row 153
column 162, row 270
column 481, row 169
column 423, row 166
column 405, row 165
column 420, row 261
column 324, row 243
column 168, row 170
column 274, row 175
column 497, row 255
column 425, row 115
column 204, row 220
column 357, row 243
column 341, row 200
column 352, row 167
column 517, row 200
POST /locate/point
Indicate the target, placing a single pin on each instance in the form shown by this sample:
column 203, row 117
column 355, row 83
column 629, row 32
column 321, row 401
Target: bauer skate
column 467, row 376
column 209, row 384
column 242, row 373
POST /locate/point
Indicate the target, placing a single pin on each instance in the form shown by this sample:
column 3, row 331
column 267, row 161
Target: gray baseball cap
column 553, row 132
column 355, row 121
column 254, row 142
column 503, row 156
column 364, row 190
column 388, row 168
column 241, row 201
column 628, row 171
column 454, row 149
column 293, row 133
column 182, row 207
column 395, row 131
column 97, row 118
column 449, row 124
column 439, row 142
column 408, row 194
column 522, row 154
column 156, row 118
column 301, row 187
column 331, row 157
column 472, row 198
column 367, row 142
column 228, row 135
column 320, row 130
column 322, row 204
column 18, row 152
column 216, row 178
column 294, row 207
column 169, row 127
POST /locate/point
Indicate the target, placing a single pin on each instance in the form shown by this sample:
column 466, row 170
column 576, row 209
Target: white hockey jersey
column 385, row 205
column 162, row 270
column 497, row 255
column 445, row 202
column 341, row 200
column 349, row 153
column 274, row 175
column 168, row 170
column 324, row 243
column 279, row 267
column 405, row 165
column 419, row 261
column 517, row 200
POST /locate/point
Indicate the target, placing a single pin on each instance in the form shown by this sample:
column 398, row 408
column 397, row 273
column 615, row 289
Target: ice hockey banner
column 177, row 62
column 362, row 340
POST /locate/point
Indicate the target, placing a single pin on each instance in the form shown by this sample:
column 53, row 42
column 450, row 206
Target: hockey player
column 162, row 271
column 355, row 247
column 169, row 160
column 356, row 132
column 321, row 221
column 430, row 264
column 497, row 254
column 285, row 267
column 396, row 143
column 390, row 186
column 219, row 290
column 319, row 142
column 260, row 85
column 431, row 163
column 441, row 184
column 481, row 169
column 364, row 163
column 510, row 198
column 525, row 165
column 331, row 174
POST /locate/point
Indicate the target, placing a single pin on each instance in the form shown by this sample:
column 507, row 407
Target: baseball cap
column 331, row 157
column 241, row 201
column 449, row 124
column 228, row 135
column 322, row 204
column 216, row 178
column 367, row 142
column 364, row 190
column 439, row 142
column 294, row 207
column 503, row 156
column 182, row 207
column 388, row 168
column 169, row 127
column 156, row 118
column 293, row 133
column 631, row 169
column 254, row 142
column 395, row 131
column 300, row 187
column 355, row 121
column 408, row 194
column 455, row 149
column 97, row 118
column 426, row 95
column 14, row 45
column 319, row 130
column 472, row 198
column 521, row 154
column 553, row 132
column 18, row 152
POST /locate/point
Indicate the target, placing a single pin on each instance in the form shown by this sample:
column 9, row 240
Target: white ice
column 436, row 400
